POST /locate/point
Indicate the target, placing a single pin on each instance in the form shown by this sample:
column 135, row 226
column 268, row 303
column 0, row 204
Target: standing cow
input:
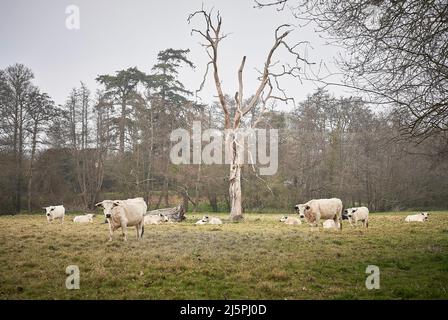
column 55, row 212
column 315, row 210
column 123, row 214
column 358, row 214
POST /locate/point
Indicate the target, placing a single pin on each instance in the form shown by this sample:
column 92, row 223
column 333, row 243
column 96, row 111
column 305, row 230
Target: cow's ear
column 307, row 207
column 115, row 204
column 99, row 204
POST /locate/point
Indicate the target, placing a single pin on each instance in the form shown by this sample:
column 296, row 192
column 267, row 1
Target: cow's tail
column 143, row 231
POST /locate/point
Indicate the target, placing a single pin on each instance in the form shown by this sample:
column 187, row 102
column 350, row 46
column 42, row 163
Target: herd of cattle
column 133, row 213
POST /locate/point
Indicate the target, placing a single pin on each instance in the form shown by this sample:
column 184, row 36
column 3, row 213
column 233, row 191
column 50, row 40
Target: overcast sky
column 117, row 34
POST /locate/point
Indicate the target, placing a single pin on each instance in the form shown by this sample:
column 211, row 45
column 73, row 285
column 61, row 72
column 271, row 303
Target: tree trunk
column 30, row 172
column 236, row 212
column 19, row 163
column 122, row 127
column 213, row 200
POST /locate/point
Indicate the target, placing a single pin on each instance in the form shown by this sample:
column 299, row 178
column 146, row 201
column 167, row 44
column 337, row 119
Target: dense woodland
column 114, row 143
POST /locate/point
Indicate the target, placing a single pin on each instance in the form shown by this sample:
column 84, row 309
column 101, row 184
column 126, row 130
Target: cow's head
column 425, row 215
column 350, row 212
column 283, row 219
column 205, row 219
column 49, row 211
column 301, row 209
column 107, row 206
column 164, row 217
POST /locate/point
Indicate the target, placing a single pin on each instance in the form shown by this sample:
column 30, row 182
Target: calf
column 84, row 218
column 209, row 220
column 330, row 224
column 290, row 220
column 155, row 218
column 419, row 217
column 55, row 212
column 358, row 214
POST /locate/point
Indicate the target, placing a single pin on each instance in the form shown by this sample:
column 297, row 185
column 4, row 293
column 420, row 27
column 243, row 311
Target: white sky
column 117, row 34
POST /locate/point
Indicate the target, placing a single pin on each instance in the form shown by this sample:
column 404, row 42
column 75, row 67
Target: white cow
column 317, row 209
column 330, row 224
column 201, row 222
column 290, row 220
column 209, row 220
column 419, row 217
column 123, row 214
column 86, row 218
column 358, row 214
column 107, row 205
column 155, row 218
column 55, row 212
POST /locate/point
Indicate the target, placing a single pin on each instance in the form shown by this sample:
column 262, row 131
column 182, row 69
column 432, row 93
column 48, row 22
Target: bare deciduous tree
column 268, row 81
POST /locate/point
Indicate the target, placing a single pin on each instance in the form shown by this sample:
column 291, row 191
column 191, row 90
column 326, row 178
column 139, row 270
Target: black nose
column 107, row 215
column 48, row 214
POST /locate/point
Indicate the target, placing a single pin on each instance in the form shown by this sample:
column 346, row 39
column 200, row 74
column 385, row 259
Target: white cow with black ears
column 55, row 212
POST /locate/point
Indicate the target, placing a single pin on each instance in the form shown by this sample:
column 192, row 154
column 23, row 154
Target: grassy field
column 259, row 258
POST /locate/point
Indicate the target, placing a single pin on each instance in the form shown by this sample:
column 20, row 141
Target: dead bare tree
column 268, row 81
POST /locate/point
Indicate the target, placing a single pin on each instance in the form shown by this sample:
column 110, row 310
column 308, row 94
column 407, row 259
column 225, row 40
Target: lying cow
column 419, row 217
column 155, row 218
column 86, row 218
column 330, row 224
column 55, row 212
column 315, row 210
column 123, row 214
column 290, row 220
column 358, row 214
column 209, row 220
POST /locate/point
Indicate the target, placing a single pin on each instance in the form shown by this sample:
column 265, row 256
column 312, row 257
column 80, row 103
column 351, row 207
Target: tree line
column 115, row 144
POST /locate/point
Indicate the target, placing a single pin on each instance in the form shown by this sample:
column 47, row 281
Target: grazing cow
column 358, row 214
column 290, row 220
column 330, row 224
column 419, row 217
column 209, row 220
column 155, row 218
column 123, row 214
column 84, row 218
column 55, row 212
column 315, row 210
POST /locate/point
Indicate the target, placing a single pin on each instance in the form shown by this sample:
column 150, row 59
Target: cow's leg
column 350, row 221
column 337, row 221
column 111, row 231
column 318, row 220
column 139, row 230
column 62, row 220
column 123, row 230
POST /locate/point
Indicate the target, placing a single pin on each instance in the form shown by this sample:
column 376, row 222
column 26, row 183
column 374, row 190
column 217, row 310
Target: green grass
column 259, row 258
